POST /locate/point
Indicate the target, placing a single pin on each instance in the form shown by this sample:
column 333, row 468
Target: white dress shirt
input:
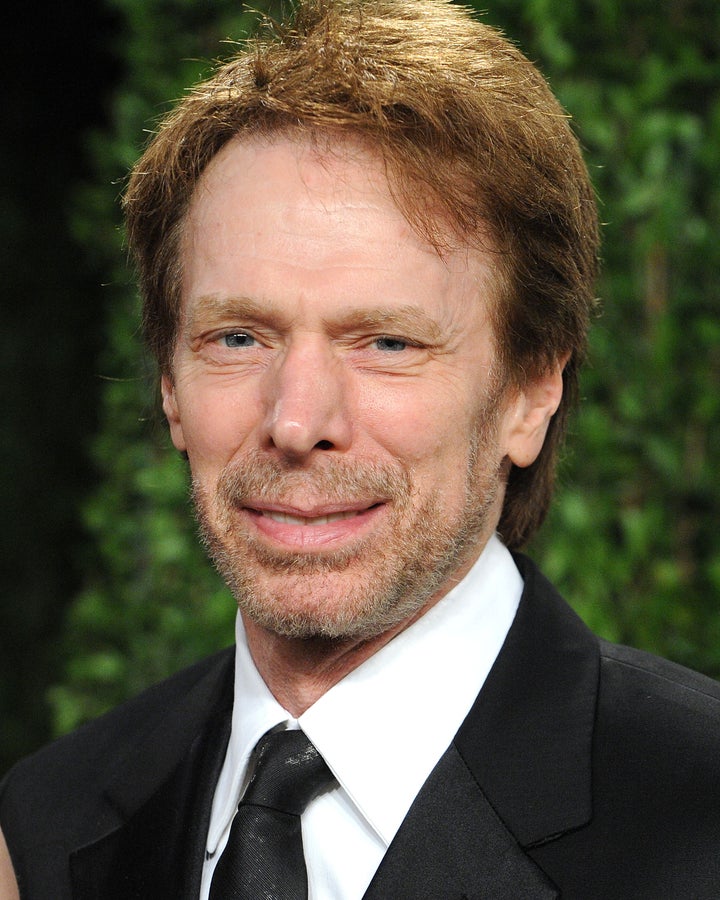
column 381, row 730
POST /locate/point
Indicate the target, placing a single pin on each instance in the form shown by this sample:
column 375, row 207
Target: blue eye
column 390, row 344
column 238, row 339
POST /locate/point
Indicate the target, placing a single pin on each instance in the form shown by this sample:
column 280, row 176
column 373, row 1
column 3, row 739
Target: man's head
column 477, row 157
column 337, row 388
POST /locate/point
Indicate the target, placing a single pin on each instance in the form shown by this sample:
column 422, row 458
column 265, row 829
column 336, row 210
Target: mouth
column 313, row 527
column 329, row 518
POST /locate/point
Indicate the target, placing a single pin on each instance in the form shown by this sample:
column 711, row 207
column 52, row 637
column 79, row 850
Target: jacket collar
column 528, row 737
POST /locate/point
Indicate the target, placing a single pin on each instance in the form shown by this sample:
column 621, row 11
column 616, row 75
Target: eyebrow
column 213, row 308
column 406, row 319
column 402, row 319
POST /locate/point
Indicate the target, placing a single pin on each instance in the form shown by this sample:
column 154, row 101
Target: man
column 367, row 249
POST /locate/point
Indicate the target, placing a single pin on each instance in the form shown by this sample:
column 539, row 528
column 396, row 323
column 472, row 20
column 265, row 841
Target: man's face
column 334, row 387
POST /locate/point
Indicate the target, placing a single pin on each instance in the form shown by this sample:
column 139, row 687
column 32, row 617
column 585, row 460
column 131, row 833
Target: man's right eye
column 238, row 339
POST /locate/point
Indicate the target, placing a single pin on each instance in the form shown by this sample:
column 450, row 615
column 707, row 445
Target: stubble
column 375, row 583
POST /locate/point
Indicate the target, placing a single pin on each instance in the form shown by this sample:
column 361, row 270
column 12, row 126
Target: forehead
column 310, row 216
column 336, row 185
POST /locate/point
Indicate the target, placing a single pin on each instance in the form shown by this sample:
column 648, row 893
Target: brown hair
column 466, row 126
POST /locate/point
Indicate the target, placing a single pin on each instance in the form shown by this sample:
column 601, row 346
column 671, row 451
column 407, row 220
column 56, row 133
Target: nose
column 307, row 401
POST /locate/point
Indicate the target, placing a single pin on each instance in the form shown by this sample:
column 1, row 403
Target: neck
column 299, row 671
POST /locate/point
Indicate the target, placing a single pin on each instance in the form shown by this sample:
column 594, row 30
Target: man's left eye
column 391, row 344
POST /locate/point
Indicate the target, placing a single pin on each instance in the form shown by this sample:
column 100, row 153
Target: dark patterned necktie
column 263, row 859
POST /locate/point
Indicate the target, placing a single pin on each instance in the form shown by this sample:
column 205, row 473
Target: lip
column 316, row 527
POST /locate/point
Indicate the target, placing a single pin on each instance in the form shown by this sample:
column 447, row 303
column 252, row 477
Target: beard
column 372, row 584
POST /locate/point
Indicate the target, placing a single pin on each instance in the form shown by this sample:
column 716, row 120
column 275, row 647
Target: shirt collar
column 255, row 711
column 383, row 727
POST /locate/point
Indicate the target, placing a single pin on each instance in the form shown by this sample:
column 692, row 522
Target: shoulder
column 71, row 774
column 629, row 679
column 625, row 668
column 655, row 724
column 656, row 777
column 652, row 756
column 660, row 709
column 107, row 736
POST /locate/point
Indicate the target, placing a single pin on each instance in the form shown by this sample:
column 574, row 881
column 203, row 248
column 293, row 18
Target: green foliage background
column 632, row 538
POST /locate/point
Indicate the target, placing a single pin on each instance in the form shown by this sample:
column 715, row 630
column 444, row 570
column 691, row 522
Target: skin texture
column 8, row 884
column 335, row 387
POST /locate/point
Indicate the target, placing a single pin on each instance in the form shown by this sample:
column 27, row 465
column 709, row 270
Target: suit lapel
column 528, row 737
column 453, row 845
column 163, row 797
column 518, row 773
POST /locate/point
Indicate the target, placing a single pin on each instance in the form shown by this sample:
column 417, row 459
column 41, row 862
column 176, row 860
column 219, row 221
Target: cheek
column 215, row 423
column 423, row 427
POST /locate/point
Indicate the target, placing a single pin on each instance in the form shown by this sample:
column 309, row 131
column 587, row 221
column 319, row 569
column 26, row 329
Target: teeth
column 287, row 519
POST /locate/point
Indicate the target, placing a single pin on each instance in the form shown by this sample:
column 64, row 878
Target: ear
column 528, row 414
column 172, row 413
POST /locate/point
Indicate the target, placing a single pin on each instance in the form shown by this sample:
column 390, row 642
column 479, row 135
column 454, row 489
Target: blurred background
column 104, row 589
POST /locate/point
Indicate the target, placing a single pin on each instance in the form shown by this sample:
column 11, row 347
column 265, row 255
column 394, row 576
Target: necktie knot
column 264, row 853
column 289, row 773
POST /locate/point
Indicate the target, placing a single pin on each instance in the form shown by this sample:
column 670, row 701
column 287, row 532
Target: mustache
column 260, row 478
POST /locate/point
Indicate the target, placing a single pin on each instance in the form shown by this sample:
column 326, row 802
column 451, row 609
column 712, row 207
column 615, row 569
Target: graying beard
column 414, row 584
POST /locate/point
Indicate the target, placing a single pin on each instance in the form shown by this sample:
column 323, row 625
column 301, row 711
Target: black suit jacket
column 584, row 770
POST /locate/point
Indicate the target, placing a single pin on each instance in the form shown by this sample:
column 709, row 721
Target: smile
column 314, row 528
column 287, row 519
